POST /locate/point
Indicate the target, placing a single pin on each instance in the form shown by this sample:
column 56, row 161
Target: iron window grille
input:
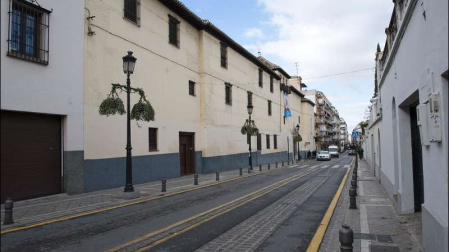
column 259, row 141
column 260, row 77
column 271, row 84
column 228, row 93
column 173, row 31
column 131, row 11
column 223, row 55
column 28, row 31
column 191, row 88
column 275, row 141
column 268, row 141
column 152, row 139
column 269, row 107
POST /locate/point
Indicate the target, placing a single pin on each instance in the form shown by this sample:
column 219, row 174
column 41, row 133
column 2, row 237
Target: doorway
column 186, row 153
column 418, row 177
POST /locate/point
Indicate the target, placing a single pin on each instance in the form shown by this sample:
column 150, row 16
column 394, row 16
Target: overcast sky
column 324, row 37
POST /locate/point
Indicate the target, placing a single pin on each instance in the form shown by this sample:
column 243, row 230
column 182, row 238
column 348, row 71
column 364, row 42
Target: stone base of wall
column 434, row 233
column 73, row 172
column 109, row 173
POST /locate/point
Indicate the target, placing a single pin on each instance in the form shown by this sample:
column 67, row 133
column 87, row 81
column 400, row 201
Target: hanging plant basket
column 297, row 138
column 111, row 106
column 248, row 129
column 142, row 111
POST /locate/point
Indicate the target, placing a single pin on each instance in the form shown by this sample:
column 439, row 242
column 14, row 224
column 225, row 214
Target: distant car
column 323, row 155
column 352, row 152
column 333, row 151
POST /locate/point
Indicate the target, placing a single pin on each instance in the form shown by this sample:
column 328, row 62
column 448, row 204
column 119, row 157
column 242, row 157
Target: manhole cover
column 380, row 248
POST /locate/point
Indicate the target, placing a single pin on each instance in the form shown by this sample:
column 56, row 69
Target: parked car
column 323, row 155
column 352, row 152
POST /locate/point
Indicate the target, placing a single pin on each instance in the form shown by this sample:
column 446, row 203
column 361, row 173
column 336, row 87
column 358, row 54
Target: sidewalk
column 375, row 223
column 33, row 211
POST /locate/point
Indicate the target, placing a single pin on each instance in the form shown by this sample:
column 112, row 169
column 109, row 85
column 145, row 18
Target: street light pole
column 250, row 160
column 128, row 68
column 297, row 130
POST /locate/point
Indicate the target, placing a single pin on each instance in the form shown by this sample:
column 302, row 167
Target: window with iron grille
column 269, row 107
column 268, row 141
column 224, row 55
column 250, row 98
column 173, row 31
column 152, row 139
column 275, row 141
column 191, row 88
column 131, row 11
column 228, row 93
column 259, row 141
column 260, row 77
column 28, row 31
column 271, row 84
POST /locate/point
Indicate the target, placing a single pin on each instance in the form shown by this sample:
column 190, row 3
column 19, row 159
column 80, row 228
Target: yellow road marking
column 319, row 234
column 267, row 190
column 6, row 231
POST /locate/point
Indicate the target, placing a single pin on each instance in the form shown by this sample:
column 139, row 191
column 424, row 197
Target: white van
column 333, row 151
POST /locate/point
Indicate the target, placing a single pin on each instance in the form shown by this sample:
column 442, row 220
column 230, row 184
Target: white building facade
column 41, row 98
column 413, row 74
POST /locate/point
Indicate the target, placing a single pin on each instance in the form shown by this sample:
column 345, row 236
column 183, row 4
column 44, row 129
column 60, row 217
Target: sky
column 324, row 37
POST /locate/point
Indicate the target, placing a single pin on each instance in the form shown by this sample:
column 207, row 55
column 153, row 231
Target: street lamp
column 297, row 130
column 129, row 61
column 250, row 111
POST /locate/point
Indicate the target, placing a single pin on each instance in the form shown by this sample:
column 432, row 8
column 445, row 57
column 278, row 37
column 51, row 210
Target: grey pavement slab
column 375, row 223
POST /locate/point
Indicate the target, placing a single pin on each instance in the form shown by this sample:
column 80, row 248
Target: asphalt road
column 275, row 211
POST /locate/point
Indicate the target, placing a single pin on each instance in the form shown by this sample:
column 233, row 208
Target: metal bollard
column 352, row 201
column 164, row 185
column 8, row 212
column 354, row 177
column 195, row 179
column 260, row 167
column 276, row 164
column 346, row 237
column 354, row 184
column 217, row 176
column 282, row 163
column 268, row 166
column 241, row 172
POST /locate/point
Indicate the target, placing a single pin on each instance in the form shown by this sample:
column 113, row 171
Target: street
column 273, row 211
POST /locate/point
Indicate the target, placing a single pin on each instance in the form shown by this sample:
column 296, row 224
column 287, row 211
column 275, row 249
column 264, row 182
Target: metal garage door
column 30, row 155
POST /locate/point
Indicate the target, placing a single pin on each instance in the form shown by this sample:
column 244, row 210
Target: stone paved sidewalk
column 375, row 223
column 37, row 210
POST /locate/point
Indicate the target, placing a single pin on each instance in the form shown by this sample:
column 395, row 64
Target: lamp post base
column 128, row 195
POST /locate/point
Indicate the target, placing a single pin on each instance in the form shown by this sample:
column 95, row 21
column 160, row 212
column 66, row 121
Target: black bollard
column 241, row 172
column 352, row 200
column 354, row 177
column 346, row 237
column 354, row 184
column 268, row 166
column 217, row 176
column 260, row 167
column 282, row 163
column 195, row 179
column 164, row 185
column 276, row 164
column 8, row 212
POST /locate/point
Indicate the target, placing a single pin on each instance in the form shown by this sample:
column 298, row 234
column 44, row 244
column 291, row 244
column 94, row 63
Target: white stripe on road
column 304, row 166
column 324, row 166
column 335, row 166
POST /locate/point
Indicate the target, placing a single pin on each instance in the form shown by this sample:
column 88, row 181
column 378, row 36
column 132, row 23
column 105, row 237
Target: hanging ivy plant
column 250, row 129
column 141, row 111
column 112, row 104
column 297, row 138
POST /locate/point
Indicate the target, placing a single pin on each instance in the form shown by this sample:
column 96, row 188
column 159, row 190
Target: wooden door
column 30, row 155
column 186, row 153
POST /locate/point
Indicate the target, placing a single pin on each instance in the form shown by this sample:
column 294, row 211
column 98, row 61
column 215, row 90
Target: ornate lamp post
column 250, row 111
column 297, row 130
column 129, row 61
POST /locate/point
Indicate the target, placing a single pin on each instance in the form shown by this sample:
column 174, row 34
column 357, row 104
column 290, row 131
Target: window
column 29, row 32
column 152, row 139
column 173, row 31
column 250, row 98
column 131, row 11
column 224, row 55
column 268, row 141
column 228, row 93
column 269, row 107
column 191, row 88
column 275, row 141
column 271, row 84
column 259, row 141
column 260, row 77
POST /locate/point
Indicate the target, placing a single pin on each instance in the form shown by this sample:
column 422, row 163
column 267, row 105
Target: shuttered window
column 152, row 139
column 173, row 31
column 259, row 142
column 275, row 141
column 131, row 10
column 260, row 77
column 224, row 55
column 228, row 93
column 269, row 107
column 268, row 141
